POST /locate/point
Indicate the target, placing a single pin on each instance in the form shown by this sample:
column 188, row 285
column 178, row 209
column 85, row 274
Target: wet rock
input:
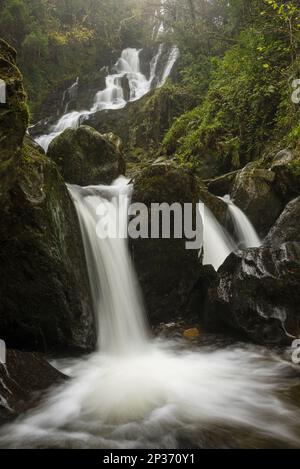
column 222, row 185
column 23, row 381
column 253, row 192
column 45, row 296
column 191, row 334
column 167, row 271
column 257, row 294
column 286, row 167
column 85, row 157
column 287, row 227
column 126, row 87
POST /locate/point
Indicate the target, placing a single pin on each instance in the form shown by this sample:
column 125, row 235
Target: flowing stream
column 127, row 67
column 138, row 392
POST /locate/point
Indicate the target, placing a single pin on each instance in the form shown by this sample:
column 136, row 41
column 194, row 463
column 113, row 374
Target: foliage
column 248, row 103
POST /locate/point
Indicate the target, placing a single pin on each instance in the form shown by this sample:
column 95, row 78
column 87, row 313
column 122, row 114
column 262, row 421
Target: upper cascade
column 127, row 70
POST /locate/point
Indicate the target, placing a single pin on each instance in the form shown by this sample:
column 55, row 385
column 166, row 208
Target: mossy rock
column 85, row 157
column 254, row 193
column 166, row 270
column 13, row 119
column 45, row 295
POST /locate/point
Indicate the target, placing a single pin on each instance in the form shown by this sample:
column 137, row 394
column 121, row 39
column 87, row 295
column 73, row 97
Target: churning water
column 135, row 392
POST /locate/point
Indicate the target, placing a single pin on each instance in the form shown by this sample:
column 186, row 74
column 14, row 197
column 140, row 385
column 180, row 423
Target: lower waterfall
column 137, row 392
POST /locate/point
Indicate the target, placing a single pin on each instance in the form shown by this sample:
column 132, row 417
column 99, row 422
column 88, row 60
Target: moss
column 13, row 118
column 85, row 157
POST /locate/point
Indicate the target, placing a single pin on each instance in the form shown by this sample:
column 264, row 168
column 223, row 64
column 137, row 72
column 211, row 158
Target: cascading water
column 113, row 284
column 245, row 231
column 112, row 97
column 140, row 393
column 217, row 243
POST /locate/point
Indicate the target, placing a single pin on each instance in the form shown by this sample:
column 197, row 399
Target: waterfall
column 134, row 392
column 217, row 243
column 128, row 67
column 245, row 231
column 172, row 59
column 116, row 300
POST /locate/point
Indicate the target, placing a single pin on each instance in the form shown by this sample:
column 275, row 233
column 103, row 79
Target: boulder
column 167, row 271
column 287, row 227
column 13, row 119
column 254, row 193
column 85, row 157
column 23, row 381
column 126, row 87
column 286, row 167
column 222, row 185
column 45, row 295
column 255, row 293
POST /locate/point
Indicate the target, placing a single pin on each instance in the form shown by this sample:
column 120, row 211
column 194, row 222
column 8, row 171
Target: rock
column 283, row 157
column 257, row 294
column 45, row 296
column 13, row 119
column 166, row 270
column 286, row 167
column 253, row 192
column 287, row 227
column 116, row 141
column 126, row 87
column 23, row 381
column 85, row 157
column 146, row 55
column 222, row 185
column 191, row 334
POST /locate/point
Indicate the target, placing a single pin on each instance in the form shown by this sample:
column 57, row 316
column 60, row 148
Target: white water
column 246, row 233
column 141, row 393
column 112, row 97
column 217, row 243
column 116, row 299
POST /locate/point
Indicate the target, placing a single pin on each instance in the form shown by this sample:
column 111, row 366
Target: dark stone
column 287, row 227
column 23, row 381
column 257, row 294
column 222, row 185
column 253, row 192
column 45, row 296
column 126, row 87
column 44, row 290
column 85, row 157
column 146, row 55
column 166, row 270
